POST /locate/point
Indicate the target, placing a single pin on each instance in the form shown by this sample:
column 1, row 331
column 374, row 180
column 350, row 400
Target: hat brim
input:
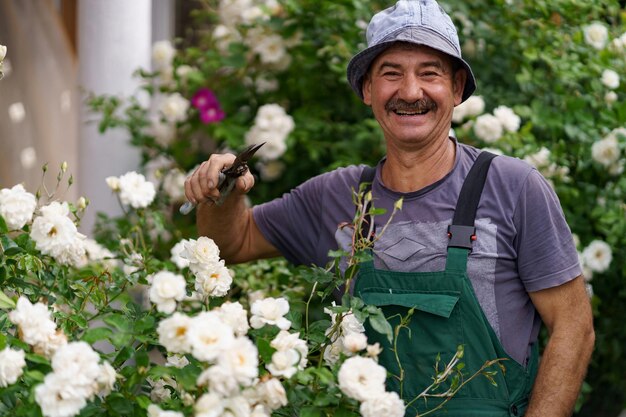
column 360, row 63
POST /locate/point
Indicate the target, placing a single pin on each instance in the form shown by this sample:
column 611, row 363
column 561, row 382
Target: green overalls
column 446, row 315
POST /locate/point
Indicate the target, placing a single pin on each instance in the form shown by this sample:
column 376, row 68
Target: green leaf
column 95, row 334
column 265, row 350
column 3, row 225
column 118, row 321
column 9, row 247
column 381, row 325
column 324, row 399
column 310, row 412
column 32, row 357
column 119, row 403
column 3, row 341
column 6, row 303
column 143, row 401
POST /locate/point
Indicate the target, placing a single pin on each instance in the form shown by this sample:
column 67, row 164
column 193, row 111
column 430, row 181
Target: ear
column 366, row 89
column 460, row 77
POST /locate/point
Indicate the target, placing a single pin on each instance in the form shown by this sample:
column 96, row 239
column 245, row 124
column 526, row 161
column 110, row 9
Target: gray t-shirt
column 524, row 243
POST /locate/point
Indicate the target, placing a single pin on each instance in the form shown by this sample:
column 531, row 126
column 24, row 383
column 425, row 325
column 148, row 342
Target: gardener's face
column 412, row 91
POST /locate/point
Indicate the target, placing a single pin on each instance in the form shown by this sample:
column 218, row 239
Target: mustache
column 397, row 104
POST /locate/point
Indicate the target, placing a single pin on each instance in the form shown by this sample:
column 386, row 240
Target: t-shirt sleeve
column 301, row 223
column 287, row 222
column 546, row 252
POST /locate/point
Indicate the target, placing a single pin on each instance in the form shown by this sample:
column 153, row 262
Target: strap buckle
column 461, row 236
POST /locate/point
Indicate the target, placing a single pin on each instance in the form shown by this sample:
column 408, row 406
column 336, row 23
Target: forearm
column 228, row 225
column 561, row 373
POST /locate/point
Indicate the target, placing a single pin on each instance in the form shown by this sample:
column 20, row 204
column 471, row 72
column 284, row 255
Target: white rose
column 159, row 391
column 49, row 347
column 113, row 183
column 488, row 128
column 28, row 157
column 167, row 288
column 539, row 159
column 176, row 252
column 354, row 342
column 135, row 191
column 174, row 108
column 473, row 106
column 164, row 133
column 596, row 35
column 236, row 407
column 610, row 97
column 219, row 380
column 79, row 363
column 173, row 333
column 209, row 336
column 284, row 363
column 34, row 321
column 361, row 378
column 12, row 363
column 177, row 361
column 174, row 185
column 606, row 151
column 242, row 359
column 272, row 117
column 214, row 283
column 387, row 404
column 106, row 379
column 162, row 54
column 265, row 85
column 285, row 341
column 155, row 411
column 275, row 143
column 610, row 79
column 17, row 206
column 203, row 254
column 270, row 48
column 233, row 314
column 3, row 52
column 230, row 10
column 272, row 394
column 597, row 256
column 57, row 397
column 270, row 311
column 507, row 117
column 209, row 405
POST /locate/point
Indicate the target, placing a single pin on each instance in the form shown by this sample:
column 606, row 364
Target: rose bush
column 550, row 92
column 117, row 331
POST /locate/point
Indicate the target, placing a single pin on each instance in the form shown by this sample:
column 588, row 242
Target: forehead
column 401, row 52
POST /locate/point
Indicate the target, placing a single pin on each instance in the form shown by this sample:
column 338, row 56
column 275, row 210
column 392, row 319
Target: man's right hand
column 202, row 185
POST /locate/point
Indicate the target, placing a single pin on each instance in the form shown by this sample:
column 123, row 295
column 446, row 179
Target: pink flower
column 208, row 106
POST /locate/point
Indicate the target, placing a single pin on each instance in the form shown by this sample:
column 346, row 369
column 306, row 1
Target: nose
column 411, row 89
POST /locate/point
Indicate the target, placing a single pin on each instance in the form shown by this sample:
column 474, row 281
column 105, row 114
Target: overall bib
column 446, row 314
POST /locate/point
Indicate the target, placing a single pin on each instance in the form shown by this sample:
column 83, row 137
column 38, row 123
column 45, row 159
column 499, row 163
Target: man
column 522, row 266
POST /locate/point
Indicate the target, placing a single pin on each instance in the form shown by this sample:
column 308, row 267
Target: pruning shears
column 228, row 177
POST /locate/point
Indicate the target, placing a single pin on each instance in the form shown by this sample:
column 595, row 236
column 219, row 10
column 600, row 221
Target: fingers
column 202, row 184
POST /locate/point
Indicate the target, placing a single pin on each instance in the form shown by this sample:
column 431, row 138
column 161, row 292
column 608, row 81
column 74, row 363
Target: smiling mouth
column 411, row 113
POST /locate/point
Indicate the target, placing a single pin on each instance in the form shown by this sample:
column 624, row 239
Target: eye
column 391, row 74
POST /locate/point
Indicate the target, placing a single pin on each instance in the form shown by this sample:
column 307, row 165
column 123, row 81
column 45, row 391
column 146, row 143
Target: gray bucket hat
column 422, row 22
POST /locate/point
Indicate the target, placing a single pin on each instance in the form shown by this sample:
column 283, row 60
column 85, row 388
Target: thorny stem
column 449, row 393
column 306, row 310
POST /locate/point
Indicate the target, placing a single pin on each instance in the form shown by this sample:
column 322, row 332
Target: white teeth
column 401, row 113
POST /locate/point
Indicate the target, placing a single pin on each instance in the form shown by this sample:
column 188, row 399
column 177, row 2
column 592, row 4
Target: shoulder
column 506, row 173
column 336, row 180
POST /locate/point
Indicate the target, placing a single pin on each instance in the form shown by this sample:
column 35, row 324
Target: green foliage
column 531, row 56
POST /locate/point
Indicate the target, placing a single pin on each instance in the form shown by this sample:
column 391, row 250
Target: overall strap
column 367, row 177
column 462, row 232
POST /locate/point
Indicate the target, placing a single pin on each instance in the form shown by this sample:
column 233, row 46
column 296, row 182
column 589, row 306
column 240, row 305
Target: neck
column 411, row 170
